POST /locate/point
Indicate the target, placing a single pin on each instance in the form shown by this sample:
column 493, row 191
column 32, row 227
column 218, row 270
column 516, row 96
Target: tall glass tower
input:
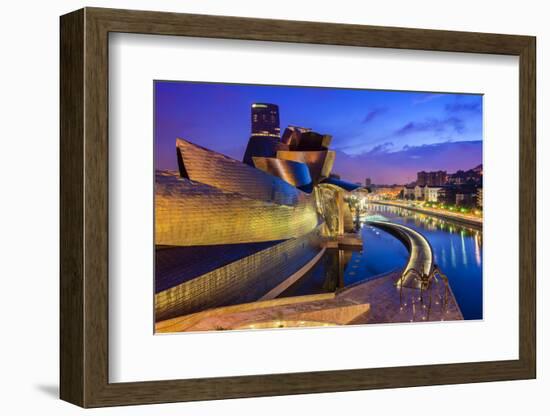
column 265, row 120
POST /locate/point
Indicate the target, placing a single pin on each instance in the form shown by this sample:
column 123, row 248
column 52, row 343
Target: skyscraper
column 265, row 120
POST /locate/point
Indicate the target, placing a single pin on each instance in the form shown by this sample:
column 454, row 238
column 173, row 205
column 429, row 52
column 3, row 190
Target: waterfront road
column 470, row 220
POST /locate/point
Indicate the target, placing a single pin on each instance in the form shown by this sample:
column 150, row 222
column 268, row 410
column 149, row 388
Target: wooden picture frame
column 84, row 207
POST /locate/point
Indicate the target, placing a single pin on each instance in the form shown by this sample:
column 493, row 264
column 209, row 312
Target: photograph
column 298, row 206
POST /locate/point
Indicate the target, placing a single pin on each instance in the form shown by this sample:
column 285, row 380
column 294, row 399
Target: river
column 457, row 250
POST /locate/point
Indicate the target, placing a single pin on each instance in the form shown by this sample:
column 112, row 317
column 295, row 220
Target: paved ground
column 311, row 310
column 390, row 303
column 375, row 301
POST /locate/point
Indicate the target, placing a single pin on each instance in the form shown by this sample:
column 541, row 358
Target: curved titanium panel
column 230, row 175
column 295, row 173
column 188, row 213
column 292, row 135
column 262, row 146
column 301, row 138
column 241, row 281
column 319, row 162
column 311, row 140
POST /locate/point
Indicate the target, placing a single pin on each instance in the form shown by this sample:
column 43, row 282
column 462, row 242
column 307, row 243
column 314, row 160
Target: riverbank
column 375, row 301
column 450, row 216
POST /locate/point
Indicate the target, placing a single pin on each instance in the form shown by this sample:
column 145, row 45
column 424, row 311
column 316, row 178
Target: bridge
column 421, row 267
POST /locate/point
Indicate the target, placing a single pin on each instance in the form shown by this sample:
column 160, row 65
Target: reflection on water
column 325, row 277
column 457, row 251
column 381, row 253
column 339, row 268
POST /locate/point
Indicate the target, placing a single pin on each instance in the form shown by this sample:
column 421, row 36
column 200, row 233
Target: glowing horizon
column 385, row 135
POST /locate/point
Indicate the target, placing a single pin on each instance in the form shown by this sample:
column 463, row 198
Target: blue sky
column 385, row 135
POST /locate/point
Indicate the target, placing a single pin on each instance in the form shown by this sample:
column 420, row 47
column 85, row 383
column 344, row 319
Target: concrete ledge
column 183, row 322
column 314, row 310
column 371, row 302
column 349, row 241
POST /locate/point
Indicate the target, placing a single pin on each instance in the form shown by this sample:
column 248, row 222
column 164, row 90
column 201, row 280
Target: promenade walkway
column 457, row 217
column 374, row 301
column 421, row 259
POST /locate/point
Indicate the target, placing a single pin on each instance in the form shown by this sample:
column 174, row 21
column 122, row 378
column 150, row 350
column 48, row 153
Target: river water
column 457, row 250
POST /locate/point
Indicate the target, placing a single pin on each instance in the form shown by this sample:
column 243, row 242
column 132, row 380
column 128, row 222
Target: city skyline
column 386, row 135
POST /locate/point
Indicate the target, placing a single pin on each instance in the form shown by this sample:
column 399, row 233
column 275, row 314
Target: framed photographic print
column 255, row 207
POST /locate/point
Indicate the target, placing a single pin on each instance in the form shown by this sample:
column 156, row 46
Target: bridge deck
column 421, row 256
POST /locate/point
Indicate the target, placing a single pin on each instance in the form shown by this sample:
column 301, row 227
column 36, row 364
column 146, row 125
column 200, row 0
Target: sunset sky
column 385, row 135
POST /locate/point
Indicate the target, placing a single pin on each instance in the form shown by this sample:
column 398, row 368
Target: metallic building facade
column 319, row 162
column 241, row 281
column 260, row 146
column 310, row 140
column 189, row 213
column 302, row 138
column 292, row 134
column 230, row 175
column 335, row 212
column 295, row 173
column 264, row 218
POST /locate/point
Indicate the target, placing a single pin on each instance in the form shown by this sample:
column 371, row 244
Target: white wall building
column 408, row 192
column 431, row 192
column 419, row 192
